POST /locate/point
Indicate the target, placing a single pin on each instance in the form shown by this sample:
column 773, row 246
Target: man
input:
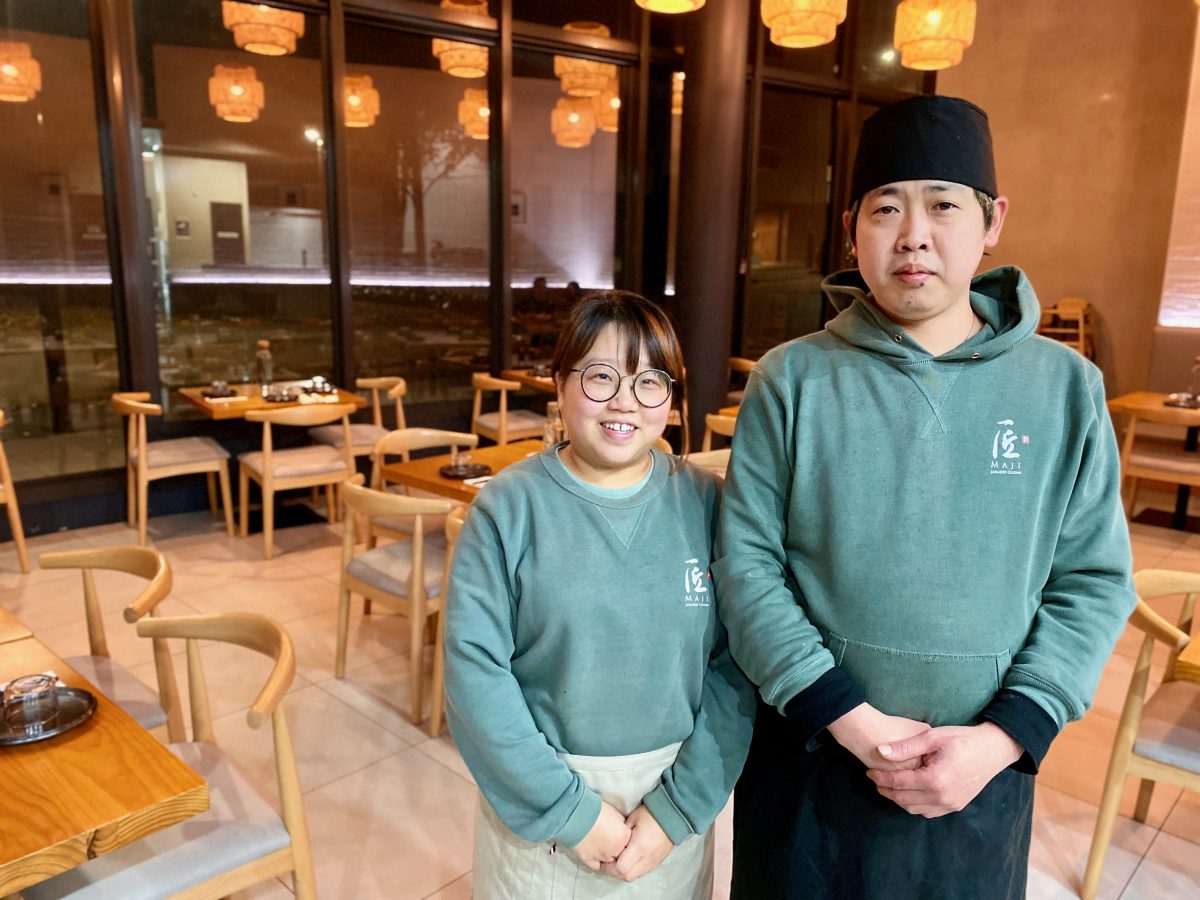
column 923, row 561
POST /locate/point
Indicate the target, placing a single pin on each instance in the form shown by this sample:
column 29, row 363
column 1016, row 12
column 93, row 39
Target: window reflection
column 234, row 160
column 878, row 60
column 419, row 226
column 58, row 358
column 791, row 214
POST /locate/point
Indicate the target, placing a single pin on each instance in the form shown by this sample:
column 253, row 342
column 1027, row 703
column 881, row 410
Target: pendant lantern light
column 236, row 93
column 677, row 93
column 361, row 101
column 583, row 77
column 20, row 73
column 803, row 23
column 457, row 58
column 678, row 6
column 607, row 107
column 573, row 122
column 932, row 34
column 473, row 113
column 263, row 29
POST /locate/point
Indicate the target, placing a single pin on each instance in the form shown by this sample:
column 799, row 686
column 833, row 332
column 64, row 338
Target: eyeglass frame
column 620, row 379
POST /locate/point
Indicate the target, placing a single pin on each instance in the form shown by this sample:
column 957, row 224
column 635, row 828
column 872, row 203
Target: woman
column 590, row 689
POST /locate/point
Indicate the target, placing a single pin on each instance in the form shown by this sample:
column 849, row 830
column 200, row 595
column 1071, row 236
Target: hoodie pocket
column 938, row 688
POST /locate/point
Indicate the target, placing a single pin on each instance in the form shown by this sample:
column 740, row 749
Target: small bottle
column 264, row 364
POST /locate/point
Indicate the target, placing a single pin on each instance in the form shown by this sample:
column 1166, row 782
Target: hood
column 1002, row 297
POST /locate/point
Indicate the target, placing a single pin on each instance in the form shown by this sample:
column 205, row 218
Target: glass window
column 419, row 226
column 58, row 357
column 563, row 205
column 819, row 60
column 877, row 59
column 234, row 159
column 618, row 18
column 791, row 215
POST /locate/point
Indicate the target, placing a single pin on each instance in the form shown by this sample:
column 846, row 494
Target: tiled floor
column 390, row 810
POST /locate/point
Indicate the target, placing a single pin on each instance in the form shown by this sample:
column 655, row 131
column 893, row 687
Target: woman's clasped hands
column 625, row 847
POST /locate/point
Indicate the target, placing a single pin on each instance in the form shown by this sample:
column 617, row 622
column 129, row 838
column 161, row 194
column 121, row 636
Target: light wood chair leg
column 212, row 492
column 244, row 500
column 1145, row 794
column 343, row 632
column 330, row 508
column 366, row 606
column 268, row 521
column 143, row 503
column 131, row 496
column 437, row 698
column 416, row 667
column 14, row 525
column 1133, row 492
column 1107, row 817
column 226, row 498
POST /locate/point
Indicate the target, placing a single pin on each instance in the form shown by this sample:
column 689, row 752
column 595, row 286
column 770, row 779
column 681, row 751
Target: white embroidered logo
column 695, row 584
column 1006, row 460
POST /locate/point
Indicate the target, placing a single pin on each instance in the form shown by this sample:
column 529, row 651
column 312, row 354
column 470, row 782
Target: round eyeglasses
column 601, row 382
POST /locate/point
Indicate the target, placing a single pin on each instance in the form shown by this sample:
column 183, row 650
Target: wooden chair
column 304, row 467
column 740, row 367
column 405, row 576
column 1158, row 738
column 661, row 443
column 402, row 443
column 363, row 435
column 98, row 667
column 437, row 698
column 502, row 426
column 147, row 461
column 8, row 497
column 1158, row 461
column 241, row 840
column 714, row 423
column 717, row 460
column 1070, row 321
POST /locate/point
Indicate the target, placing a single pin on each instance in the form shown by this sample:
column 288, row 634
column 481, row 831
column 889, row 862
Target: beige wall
column 1087, row 103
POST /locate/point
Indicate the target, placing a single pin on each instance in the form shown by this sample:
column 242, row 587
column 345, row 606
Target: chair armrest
column 1152, row 624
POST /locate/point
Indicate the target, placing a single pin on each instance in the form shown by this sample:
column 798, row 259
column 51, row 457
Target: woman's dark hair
column 641, row 323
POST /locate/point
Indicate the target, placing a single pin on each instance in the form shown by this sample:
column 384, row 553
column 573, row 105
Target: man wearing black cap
column 923, row 561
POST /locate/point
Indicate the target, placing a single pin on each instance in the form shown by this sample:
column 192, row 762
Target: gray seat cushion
column 239, row 827
column 1178, row 462
column 388, row 567
column 181, row 451
column 116, row 683
column 519, row 420
column 1170, row 728
column 363, row 437
column 318, row 460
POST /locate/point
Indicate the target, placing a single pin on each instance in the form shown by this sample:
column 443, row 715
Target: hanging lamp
column 803, row 23
column 457, row 58
column 678, row 6
column 607, row 107
column 20, row 73
column 263, row 29
column 236, row 93
column 932, row 34
column 583, row 77
column 361, row 101
column 474, row 114
column 573, row 122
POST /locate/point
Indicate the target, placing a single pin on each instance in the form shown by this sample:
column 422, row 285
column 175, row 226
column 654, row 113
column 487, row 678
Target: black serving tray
column 467, row 470
column 75, row 706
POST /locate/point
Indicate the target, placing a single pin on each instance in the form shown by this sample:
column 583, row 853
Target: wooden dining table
column 528, row 379
column 423, row 473
column 86, row 792
column 249, row 396
column 1148, row 406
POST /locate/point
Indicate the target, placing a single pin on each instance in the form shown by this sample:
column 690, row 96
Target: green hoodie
column 940, row 528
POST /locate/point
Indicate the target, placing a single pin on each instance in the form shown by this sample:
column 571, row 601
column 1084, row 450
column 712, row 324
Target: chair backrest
column 403, row 441
column 715, row 423
column 372, row 504
column 661, row 443
column 304, row 416
column 394, row 386
column 741, row 365
column 265, row 636
column 5, row 474
column 1152, row 584
column 1072, row 309
column 143, row 562
column 481, row 382
column 710, row 459
column 135, row 406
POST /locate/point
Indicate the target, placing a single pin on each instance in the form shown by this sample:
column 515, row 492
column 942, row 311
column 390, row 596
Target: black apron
column 810, row 825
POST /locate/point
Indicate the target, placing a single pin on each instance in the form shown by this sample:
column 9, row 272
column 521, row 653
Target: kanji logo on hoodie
column 695, row 584
column 1006, row 459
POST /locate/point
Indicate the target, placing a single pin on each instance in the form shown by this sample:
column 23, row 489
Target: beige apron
column 509, row 868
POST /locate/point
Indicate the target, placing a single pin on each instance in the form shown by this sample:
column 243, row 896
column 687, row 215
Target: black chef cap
column 925, row 138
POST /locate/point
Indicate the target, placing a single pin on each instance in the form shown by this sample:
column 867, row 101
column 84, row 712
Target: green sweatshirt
column 943, row 530
column 586, row 624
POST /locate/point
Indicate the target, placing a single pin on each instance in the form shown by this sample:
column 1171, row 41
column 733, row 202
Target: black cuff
column 1026, row 723
column 824, row 701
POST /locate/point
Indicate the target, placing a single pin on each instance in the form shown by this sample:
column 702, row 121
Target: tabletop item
column 30, row 703
column 318, row 385
column 424, row 473
column 1183, row 400
column 465, row 470
column 264, row 364
column 218, row 389
column 280, row 395
column 247, row 397
column 72, row 707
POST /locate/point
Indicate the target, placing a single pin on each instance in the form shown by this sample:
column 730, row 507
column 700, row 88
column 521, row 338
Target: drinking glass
column 31, row 703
